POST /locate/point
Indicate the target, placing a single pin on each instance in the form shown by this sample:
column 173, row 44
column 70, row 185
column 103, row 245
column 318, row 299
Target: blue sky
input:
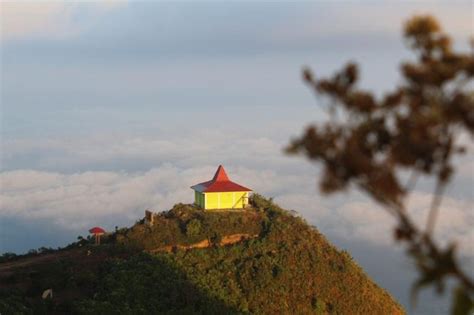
column 110, row 108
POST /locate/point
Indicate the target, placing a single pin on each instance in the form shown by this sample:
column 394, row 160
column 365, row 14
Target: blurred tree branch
column 412, row 128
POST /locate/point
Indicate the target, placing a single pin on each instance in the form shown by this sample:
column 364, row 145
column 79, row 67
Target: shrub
column 193, row 228
column 7, row 256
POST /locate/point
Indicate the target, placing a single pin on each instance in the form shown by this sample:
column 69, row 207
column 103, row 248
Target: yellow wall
column 211, row 201
column 226, row 200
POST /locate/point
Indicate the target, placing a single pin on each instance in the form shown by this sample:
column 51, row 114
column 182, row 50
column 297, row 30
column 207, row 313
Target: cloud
column 187, row 147
column 353, row 217
column 454, row 222
column 50, row 19
column 77, row 201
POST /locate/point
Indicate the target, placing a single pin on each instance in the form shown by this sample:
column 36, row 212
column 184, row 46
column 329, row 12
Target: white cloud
column 465, row 168
column 169, row 165
column 77, row 201
column 354, row 217
column 49, row 19
column 188, row 148
column 454, row 222
column 257, row 162
column 80, row 200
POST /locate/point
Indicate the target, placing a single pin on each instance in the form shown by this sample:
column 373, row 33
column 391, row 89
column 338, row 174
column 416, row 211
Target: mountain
column 264, row 260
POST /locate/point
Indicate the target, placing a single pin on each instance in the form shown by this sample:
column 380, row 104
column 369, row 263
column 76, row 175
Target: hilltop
column 262, row 260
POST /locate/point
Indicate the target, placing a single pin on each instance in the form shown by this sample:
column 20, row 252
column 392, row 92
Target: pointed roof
column 219, row 183
column 220, row 175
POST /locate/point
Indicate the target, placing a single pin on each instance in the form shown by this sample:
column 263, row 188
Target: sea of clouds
column 156, row 172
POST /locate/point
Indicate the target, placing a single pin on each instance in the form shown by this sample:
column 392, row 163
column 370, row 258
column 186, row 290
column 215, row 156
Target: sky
column 110, row 108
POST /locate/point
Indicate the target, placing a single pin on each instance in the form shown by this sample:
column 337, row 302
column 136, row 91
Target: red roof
column 97, row 230
column 219, row 183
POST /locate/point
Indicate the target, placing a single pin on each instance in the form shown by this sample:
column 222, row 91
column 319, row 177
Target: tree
column 368, row 142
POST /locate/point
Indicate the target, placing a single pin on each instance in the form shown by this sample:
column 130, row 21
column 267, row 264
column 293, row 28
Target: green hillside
column 263, row 260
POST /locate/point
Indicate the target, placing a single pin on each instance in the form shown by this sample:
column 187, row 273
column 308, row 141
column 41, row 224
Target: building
column 220, row 193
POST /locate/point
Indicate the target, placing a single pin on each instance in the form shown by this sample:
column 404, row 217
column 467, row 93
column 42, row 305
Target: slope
column 276, row 264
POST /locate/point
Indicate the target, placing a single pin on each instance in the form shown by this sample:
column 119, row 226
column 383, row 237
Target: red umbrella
column 97, row 231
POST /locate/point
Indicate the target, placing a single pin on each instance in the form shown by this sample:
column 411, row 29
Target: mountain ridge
column 277, row 263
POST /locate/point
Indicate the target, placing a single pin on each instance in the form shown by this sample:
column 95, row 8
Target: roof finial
column 220, row 175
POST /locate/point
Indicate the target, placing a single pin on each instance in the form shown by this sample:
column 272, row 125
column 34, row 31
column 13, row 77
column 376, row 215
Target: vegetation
column 370, row 143
column 186, row 224
column 287, row 268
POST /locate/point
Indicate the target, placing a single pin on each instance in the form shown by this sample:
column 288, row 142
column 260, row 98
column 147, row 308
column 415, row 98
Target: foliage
column 147, row 285
column 368, row 142
column 193, row 228
column 13, row 303
column 289, row 269
column 185, row 224
column 32, row 252
column 7, row 257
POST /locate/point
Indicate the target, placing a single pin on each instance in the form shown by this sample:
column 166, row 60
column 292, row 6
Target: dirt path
column 226, row 240
column 7, row 267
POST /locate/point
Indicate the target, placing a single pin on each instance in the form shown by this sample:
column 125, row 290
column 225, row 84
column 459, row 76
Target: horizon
column 110, row 108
